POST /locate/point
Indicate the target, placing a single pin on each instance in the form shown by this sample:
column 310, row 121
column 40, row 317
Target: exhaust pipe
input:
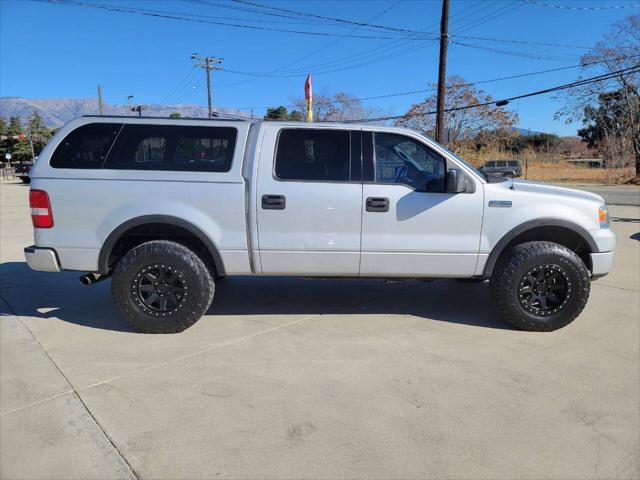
column 91, row 278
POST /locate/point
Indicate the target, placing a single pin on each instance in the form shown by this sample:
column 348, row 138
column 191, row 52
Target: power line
column 332, row 42
column 469, row 84
column 502, row 10
column 333, row 19
column 181, row 85
column 187, row 18
column 482, row 5
column 570, row 7
column 365, row 57
column 414, row 35
column 181, row 17
column 505, row 101
column 515, row 4
column 533, row 56
column 371, row 53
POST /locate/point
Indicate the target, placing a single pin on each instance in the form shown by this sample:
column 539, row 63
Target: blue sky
column 60, row 51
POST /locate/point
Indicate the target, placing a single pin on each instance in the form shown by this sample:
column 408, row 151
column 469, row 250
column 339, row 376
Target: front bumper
column 42, row 259
column 601, row 264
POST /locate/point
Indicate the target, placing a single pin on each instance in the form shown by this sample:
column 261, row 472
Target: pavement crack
column 600, row 284
column 33, row 404
column 72, row 390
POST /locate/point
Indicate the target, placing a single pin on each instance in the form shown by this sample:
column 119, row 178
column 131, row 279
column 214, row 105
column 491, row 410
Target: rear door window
column 86, row 146
column 173, row 147
column 501, row 163
column 313, row 154
column 513, row 163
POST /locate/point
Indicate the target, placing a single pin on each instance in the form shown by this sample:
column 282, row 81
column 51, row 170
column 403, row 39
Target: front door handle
column 377, row 204
column 274, row 202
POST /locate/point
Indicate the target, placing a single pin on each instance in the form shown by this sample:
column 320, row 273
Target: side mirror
column 456, row 181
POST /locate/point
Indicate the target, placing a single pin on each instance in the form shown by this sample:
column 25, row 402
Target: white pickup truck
column 168, row 207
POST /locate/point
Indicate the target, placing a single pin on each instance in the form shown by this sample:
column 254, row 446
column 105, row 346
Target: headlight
column 603, row 216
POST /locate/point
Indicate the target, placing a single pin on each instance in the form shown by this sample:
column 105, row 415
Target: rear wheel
column 540, row 286
column 161, row 287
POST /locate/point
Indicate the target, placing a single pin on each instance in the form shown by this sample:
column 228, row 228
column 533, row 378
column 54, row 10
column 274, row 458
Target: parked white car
column 168, row 207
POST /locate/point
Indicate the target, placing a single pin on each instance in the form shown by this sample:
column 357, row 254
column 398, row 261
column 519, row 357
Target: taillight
column 41, row 214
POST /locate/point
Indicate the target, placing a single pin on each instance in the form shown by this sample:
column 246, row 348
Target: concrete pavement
column 289, row 378
column 613, row 194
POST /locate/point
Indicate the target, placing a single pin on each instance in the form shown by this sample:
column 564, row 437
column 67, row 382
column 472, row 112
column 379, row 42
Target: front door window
column 400, row 159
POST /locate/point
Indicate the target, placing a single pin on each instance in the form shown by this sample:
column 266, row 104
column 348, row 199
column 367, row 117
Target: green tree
column 175, row 115
column 15, row 127
column 3, row 143
column 281, row 114
column 296, row 116
column 611, row 128
column 15, row 146
column 38, row 132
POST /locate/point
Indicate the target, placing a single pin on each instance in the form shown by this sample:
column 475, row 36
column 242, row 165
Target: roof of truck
column 133, row 117
column 345, row 124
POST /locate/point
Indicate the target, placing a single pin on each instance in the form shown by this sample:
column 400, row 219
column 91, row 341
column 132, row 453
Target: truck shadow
column 62, row 297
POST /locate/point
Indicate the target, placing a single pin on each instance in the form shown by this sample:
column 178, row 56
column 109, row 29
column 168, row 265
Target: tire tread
column 175, row 323
column 505, row 280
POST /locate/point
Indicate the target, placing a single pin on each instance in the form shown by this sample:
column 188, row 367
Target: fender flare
column 116, row 234
column 522, row 228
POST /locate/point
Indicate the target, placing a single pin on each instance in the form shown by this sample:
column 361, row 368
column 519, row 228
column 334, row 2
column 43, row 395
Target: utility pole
column 100, row 99
column 138, row 108
column 209, row 63
column 442, row 72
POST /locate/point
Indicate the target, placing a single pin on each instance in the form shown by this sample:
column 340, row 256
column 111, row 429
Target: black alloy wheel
column 544, row 290
column 540, row 286
column 160, row 288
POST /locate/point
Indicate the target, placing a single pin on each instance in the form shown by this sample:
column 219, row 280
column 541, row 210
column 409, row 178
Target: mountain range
column 56, row 112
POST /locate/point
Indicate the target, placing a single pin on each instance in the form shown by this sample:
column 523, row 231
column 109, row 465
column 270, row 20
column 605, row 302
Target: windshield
column 463, row 161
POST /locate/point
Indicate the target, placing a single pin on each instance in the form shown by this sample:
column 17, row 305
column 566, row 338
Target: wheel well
column 140, row 234
column 550, row 233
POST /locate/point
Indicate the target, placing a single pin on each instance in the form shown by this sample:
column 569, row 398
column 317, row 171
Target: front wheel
column 540, row 286
column 161, row 287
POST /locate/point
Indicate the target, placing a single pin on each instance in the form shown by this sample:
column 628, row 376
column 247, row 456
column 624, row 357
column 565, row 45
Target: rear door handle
column 274, row 202
column 377, row 204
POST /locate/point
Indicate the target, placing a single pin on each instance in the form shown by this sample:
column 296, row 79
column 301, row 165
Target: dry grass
column 549, row 169
column 569, row 173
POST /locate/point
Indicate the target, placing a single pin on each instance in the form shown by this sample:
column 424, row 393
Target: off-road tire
column 515, row 264
column 195, row 282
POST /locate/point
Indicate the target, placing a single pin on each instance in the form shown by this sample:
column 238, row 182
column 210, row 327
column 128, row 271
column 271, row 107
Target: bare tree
column 610, row 109
column 337, row 108
column 460, row 124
